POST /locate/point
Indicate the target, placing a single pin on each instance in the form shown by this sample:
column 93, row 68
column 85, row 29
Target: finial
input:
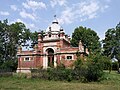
column 55, row 20
column 55, row 16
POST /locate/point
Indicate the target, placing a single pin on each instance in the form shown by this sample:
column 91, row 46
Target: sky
column 99, row 15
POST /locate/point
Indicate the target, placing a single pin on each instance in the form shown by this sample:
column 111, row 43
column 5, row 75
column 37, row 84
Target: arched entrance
column 50, row 57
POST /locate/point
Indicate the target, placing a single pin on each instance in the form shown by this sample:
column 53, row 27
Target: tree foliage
column 88, row 37
column 111, row 43
column 84, row 71
column 34, row 38
column 11, row 36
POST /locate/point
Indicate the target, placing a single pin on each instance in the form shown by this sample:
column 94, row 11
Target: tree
column 42, row 33
column 111, row 43
column 20, row 32
column 2, row 41
column 11, row 36
column 34, row 38
column 88, row 37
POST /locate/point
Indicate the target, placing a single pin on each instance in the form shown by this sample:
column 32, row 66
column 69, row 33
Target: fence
column 5, row 72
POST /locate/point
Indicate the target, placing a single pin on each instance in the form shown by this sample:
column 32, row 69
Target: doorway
column 50, row 57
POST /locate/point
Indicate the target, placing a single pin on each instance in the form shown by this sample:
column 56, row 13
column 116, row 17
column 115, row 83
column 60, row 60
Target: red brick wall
column 68, row 63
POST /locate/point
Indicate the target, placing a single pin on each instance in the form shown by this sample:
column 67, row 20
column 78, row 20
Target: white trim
column 50, row 44
column 68, row 55
column 28, row 57
column 44, row 62
column 23, row 70
column 55, row 61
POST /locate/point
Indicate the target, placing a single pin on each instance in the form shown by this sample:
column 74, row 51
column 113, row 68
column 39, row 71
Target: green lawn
column 112, row 82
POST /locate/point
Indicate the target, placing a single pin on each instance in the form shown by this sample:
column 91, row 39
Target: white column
column 55, row 61
column 44, row 62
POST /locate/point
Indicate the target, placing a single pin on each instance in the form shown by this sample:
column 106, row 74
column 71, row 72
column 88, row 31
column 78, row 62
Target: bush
column 9, row 64
column 59, row 74
column 5, row 72
column 20, row 75
column 80, row 70
column 115, row 65
column 95, row 68
column 89, row 70
column 39, row 73
column 94, row 73
column 107, row 63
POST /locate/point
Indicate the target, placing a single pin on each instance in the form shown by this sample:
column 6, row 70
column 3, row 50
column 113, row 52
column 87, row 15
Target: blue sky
column 98, row 15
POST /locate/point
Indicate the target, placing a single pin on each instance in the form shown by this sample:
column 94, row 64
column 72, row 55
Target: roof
column 54, row 27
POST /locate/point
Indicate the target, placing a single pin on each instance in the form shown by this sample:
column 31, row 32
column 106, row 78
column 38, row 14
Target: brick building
column 52, row 49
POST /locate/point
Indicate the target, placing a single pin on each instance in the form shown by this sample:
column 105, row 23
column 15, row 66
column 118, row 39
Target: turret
column 19, row 49
column 81, row 47
column 36, row 48
column 61, row 32
column 39, row 37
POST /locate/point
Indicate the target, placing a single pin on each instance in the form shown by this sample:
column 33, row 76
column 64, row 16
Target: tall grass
column 112, row 82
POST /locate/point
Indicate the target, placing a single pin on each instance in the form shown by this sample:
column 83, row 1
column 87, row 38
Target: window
column 69, row 57
column 26, row 59
column 49, row 35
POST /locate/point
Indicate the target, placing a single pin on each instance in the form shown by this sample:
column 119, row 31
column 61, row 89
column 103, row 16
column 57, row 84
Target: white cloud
column 104, row 8
column 81, row 11
column 17, row 20
column 28, row 25
column 89, row 8
column 31, row 25
column 4, row 13
column 67, row 16
column 58, row 2
column 30, row 4
column 24, row 14
column 13, row 7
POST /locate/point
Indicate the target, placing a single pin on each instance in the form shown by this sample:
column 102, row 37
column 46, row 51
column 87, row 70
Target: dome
column 54, row 27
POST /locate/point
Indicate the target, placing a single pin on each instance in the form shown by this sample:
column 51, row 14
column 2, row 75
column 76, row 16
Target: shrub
column 115, row 65
column 20, row 75
column 89, row 70
column 95, row 68
column 5, row 72
column 80, row 70
column 94, row 73
column 107, row 63
column 59, row 74
column 39, row 73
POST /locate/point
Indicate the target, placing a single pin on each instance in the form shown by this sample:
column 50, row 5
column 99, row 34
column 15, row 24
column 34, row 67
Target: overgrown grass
column 112, row 79
column 112, row 82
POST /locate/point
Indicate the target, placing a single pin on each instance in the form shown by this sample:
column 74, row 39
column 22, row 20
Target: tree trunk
column 118, row 67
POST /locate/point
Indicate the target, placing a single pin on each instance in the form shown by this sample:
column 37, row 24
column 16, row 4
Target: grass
column 112, row 82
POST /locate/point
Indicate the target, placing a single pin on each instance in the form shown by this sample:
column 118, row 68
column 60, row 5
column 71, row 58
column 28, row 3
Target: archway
column 50, row 57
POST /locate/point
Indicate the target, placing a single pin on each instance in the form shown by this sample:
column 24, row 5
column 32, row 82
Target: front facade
column 53, row 48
